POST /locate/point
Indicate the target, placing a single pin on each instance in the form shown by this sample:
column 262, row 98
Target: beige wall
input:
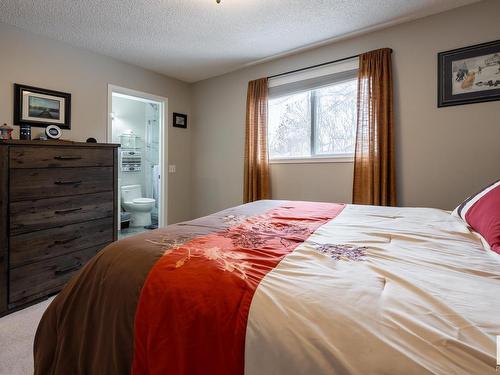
column 442, row 154
column 324, row 182
column 34, row 60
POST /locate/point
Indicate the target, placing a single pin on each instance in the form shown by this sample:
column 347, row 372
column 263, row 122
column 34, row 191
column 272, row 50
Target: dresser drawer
column 56, row 157
column 49, row 243
column 30, row 184
column 39, row 279
column 35, row 215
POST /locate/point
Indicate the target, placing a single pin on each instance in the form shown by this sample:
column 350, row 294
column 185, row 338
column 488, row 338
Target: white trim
column 317, row 159
column 316, row 75
column 163, row 158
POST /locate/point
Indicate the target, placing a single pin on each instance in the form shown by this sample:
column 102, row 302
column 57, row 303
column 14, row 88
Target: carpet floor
column 17, row 332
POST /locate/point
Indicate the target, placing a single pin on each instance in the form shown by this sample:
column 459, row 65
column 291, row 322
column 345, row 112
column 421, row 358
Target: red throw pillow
column 482, row 213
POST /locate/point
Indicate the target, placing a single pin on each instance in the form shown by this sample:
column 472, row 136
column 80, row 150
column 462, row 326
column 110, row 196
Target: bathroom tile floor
column 132, row 231
column 128, row 232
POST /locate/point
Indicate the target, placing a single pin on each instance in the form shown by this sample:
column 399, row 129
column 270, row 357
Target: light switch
column 171, row 168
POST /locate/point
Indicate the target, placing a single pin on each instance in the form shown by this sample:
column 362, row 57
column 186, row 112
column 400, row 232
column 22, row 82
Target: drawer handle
column 62, row 242
column 59, row 182
column 67, row 157
column 69, row 210
column 68, row 269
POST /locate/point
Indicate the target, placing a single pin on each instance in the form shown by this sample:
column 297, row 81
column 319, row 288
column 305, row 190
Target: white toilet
column 138, row 207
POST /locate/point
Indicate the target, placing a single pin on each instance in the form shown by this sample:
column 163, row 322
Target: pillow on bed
column 482, row 212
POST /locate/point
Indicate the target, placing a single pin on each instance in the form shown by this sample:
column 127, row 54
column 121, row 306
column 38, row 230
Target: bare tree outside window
column 290, row 126
column 319, row 122
column 336, row 118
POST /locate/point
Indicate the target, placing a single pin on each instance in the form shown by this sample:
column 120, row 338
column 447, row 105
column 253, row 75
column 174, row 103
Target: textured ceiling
column 196, row 39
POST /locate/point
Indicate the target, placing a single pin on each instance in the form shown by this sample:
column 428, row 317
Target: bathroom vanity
column 57, row 210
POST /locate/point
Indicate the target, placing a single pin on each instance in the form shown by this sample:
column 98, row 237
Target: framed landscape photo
column 469, row 75
column 180, row 120
column 40, row 107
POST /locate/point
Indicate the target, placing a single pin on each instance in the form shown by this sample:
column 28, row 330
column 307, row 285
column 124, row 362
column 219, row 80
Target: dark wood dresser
column 57, row 210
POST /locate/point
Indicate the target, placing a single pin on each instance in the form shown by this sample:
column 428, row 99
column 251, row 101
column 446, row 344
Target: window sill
column 334, row 159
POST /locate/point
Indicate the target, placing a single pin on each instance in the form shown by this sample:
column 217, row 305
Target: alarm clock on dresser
column 53, row 132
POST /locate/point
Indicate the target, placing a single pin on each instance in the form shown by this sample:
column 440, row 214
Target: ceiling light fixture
column 217, row 1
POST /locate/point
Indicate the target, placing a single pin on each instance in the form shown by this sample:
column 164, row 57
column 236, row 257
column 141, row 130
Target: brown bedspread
column 89, row 328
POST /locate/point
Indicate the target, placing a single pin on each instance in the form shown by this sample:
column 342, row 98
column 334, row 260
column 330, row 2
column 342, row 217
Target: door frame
column 163, row 157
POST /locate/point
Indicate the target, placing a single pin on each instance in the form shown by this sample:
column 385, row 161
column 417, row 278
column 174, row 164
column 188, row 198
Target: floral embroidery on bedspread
column 255, row 235
column 170, row 244
column 231, row 261
column 233, row 220
column 246, row 233
column 341, row 251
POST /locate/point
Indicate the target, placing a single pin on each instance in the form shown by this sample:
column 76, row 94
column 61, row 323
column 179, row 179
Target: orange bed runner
column 193, row 310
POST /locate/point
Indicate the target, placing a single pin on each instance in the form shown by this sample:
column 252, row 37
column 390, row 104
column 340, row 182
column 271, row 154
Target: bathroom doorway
column 137, row 122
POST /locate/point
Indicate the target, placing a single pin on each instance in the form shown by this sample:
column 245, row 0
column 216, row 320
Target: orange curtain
column 374, row 181
column 256, row 183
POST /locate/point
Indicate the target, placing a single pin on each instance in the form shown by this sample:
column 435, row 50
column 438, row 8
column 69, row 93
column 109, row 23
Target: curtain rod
column 314, row 66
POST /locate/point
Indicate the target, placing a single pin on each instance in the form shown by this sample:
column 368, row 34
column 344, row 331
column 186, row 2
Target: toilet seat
column 138, row 207
column 143, row 201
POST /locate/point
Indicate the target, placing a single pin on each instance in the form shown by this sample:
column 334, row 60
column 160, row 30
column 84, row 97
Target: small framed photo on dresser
column 180, row 120
column 40, row 107
column 469, row 75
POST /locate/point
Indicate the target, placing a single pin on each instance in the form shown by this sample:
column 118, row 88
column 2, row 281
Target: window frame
column 337, row 158
column 314, row 157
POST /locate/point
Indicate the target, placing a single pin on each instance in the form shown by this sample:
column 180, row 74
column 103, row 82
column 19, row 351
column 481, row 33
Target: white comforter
column 424, row 299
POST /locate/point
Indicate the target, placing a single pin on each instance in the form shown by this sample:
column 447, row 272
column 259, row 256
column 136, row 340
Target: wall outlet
column 171, row 168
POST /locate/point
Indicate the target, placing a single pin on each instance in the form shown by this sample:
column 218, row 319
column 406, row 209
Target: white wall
column 130, row 115
column 38, row 61
column 442, row 155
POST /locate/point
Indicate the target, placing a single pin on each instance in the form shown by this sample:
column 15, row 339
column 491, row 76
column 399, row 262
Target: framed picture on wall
column 180, row 120
column 469, row 75
column 40, row 107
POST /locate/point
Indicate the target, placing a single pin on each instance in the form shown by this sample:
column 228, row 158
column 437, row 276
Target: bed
column 283, row 287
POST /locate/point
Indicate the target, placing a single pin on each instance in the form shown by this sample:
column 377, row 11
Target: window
column 313, row 118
